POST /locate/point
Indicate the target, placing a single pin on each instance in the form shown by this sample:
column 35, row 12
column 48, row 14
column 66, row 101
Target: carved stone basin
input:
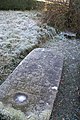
column 20, row 98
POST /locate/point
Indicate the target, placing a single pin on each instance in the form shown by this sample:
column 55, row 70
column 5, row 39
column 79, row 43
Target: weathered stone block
column 33, row 85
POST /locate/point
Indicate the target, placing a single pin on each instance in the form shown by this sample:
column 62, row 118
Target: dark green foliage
column 18, row 4
column 3, row 117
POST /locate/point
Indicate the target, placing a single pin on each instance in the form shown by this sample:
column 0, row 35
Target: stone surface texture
column 37, row 77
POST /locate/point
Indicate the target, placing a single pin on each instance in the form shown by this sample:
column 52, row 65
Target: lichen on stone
column 9, row 113
column 45, row 115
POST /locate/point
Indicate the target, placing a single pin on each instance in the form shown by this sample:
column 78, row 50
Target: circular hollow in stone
column 20, row 97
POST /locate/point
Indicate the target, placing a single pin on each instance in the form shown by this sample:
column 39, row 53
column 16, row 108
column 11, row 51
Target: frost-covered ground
column 20, row 32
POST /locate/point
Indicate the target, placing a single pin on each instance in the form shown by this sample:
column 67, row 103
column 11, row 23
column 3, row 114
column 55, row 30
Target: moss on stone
column 9, row 113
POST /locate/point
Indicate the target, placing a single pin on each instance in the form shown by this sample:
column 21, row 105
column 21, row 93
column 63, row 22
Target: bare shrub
column 56, row 13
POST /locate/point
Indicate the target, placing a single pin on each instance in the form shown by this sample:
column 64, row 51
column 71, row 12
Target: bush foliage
column 18, row 4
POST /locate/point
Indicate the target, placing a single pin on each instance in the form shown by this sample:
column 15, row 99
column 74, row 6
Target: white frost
column 54, row 88
column 21, row 98
column 20, row 31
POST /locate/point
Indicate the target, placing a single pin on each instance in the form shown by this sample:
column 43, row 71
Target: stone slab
column 33, row 85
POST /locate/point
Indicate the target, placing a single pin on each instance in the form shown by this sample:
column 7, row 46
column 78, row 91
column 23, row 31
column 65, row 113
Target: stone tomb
column 29, row 92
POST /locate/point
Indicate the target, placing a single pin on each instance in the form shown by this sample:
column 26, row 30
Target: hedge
column 20, row 4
